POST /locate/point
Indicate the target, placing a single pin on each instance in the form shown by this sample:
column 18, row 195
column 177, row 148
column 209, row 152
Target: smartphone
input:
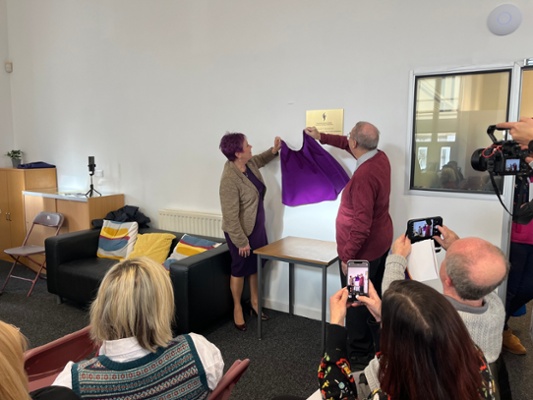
column 357, row 279
column 423, row 228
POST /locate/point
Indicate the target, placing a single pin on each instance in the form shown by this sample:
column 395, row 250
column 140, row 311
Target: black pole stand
column 92, row 190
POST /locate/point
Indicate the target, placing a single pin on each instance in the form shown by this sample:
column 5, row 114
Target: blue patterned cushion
column 189, row 246
column 117, row 239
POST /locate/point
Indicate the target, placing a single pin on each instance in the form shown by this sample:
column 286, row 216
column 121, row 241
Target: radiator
column 191, row 222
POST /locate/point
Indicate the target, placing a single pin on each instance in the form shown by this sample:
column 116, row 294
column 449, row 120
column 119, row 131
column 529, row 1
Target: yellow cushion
column 153, row 245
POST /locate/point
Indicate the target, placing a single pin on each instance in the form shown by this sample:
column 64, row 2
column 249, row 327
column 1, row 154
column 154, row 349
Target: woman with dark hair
column 242, row 191
column 425, row 349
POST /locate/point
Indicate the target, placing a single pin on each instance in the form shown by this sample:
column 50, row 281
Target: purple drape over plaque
column 309, row 175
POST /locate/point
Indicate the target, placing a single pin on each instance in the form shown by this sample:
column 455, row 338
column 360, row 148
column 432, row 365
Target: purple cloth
column 309, row 175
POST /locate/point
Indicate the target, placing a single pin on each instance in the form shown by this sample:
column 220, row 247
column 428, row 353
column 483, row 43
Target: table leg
column 259, row 296
column 324, row 305
column 291, row 288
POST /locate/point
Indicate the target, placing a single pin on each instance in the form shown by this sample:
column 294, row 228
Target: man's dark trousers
column 360, row 344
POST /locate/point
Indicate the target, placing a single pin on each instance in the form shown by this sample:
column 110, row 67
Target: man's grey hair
column 458, row 269
column 366, row 135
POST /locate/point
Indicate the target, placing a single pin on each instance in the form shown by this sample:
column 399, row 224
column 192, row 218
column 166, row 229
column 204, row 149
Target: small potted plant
column 16, row 157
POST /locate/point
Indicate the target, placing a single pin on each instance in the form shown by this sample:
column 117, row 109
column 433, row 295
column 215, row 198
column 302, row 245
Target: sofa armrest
column 65, row 248
column 71, row 246
column 202, row 293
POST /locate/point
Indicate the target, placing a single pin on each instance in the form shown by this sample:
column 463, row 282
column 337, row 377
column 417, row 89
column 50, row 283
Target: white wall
column 149, row 86
column 6, row 131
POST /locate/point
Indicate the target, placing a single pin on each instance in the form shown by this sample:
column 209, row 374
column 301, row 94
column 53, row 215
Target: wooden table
column 295, row 250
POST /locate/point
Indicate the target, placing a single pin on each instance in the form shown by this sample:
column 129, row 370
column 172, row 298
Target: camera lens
column 478, row 162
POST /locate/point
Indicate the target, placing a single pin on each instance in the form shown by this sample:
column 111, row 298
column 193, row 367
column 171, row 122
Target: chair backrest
column 48, row 220
column 229, row 380
column 44, row 363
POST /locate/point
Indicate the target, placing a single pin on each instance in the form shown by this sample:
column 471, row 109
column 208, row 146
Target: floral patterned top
column 337, row 383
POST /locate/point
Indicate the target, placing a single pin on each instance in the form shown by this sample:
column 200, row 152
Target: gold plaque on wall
column 328, row 121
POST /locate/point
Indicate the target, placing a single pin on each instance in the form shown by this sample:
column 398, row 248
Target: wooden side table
column 295, row 250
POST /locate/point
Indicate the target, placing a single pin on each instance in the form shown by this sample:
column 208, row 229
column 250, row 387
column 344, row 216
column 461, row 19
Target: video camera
column 504, row 157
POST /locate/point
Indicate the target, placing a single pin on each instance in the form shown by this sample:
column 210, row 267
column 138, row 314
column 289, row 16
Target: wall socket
column 99, row 173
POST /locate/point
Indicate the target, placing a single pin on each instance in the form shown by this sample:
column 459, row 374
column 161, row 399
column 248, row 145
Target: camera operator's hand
column 372, row 301
column 401, row 246
column 521, row 131
column 446, row 237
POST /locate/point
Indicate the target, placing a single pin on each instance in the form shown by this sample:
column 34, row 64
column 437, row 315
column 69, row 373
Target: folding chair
column 44, row 363
column 229, row 380
column 46, row 219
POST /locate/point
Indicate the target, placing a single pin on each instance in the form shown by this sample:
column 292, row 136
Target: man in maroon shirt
column 363, row 224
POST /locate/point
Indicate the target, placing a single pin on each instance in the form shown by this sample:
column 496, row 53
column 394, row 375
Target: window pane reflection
column 451, row 116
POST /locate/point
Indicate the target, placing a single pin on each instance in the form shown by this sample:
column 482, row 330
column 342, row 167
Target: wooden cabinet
column 78, row 210
column 12, row 183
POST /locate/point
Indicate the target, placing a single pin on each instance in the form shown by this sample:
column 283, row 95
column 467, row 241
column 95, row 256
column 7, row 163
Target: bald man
column 470, row 272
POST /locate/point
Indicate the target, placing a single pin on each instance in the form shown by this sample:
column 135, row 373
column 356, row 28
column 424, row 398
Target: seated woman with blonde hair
column 14, row 382
column 131, row 318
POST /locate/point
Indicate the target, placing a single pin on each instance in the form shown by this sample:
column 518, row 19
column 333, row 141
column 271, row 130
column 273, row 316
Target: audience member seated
column 14, row 382
column 424, row 349
column 470, row 272
column 131, row 318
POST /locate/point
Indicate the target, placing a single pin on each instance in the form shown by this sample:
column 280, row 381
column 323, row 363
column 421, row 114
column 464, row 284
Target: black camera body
column 504, row 157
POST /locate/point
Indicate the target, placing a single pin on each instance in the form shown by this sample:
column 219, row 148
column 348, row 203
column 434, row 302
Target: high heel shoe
column 264, row 316
column 241, row 327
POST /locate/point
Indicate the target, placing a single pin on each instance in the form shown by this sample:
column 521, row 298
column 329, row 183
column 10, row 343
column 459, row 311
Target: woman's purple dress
column 245, row 266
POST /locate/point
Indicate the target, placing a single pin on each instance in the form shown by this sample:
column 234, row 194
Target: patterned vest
column 174, row 372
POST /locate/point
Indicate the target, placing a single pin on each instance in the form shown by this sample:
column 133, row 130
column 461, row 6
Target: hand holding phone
column 357, row 279
column 372, row 302
column 445, row 237
column 401, row 246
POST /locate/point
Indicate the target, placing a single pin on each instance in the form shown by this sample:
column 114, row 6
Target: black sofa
column 202, row 293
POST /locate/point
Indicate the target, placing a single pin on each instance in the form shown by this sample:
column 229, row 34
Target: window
column 451, row 116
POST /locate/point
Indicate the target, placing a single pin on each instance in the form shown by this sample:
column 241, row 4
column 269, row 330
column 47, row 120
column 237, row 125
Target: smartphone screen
column 423, row 228
column 357, row 279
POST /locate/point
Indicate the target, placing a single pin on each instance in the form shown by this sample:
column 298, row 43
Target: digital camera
column 504, row 157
